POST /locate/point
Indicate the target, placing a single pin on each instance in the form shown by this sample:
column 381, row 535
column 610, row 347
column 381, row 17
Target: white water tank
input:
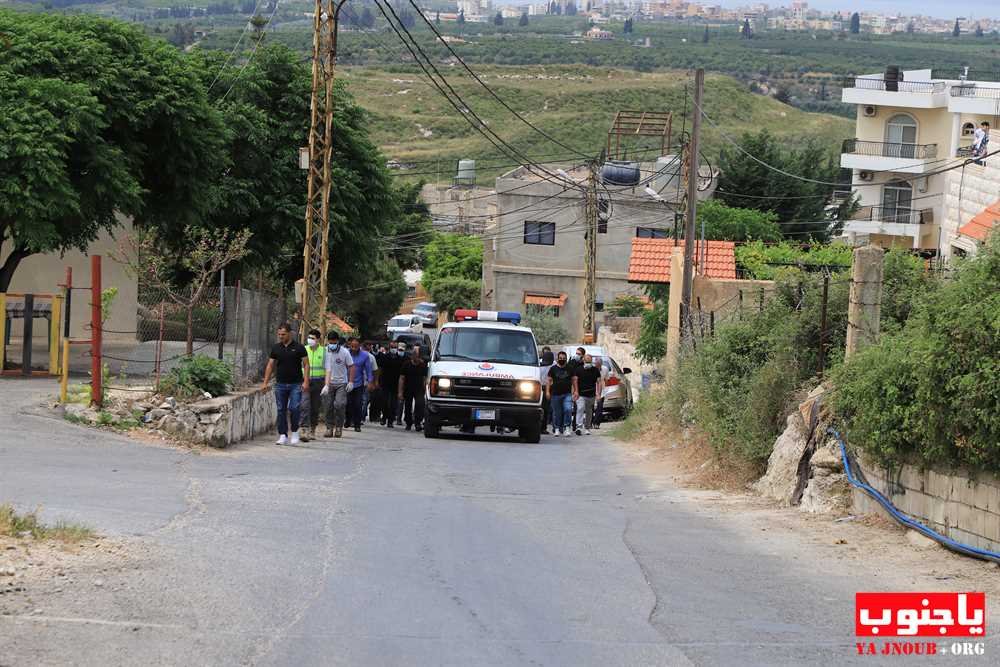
column 466, row 172
column 668, row 173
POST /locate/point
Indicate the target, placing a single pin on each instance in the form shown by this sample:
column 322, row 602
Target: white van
column 404, row 324
column 484, row 372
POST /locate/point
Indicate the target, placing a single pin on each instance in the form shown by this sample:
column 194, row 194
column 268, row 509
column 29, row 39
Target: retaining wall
column 964, row 507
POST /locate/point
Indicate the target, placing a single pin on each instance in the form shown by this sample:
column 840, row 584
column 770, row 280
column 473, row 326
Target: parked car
column 617, row 390
column 404, row 324
column 427, row 312
column 411, row 339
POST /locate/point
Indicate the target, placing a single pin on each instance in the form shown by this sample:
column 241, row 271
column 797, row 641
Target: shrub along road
column 386, row 548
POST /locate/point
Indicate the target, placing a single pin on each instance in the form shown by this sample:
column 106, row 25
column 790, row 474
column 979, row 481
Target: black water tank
column 620, row 172
column 892, row 78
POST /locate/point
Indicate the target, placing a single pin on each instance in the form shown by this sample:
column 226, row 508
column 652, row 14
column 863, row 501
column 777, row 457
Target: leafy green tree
column 548, row 328
column 452, row 256
column 728, row 223
column 751, row 177
column 746, row 32
column 855, row 23
column 453, row 293
column 97, row 121
column 369, row 306
column 957, row 30
column 652, row 343
column 627, row 305
column 523, row 21
column 498, row 19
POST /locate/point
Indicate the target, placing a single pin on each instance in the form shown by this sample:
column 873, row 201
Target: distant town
column 796, row 16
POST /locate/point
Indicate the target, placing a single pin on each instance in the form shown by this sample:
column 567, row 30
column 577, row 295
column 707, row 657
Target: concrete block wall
column 963, row 507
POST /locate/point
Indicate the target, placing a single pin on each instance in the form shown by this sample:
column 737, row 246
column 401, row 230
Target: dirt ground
column 872, row 542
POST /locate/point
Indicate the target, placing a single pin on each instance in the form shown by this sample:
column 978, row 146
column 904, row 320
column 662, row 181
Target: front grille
column 489, row 389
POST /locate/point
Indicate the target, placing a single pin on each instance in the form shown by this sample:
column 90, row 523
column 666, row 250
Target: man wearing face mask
column 390, row 363
column 545, row 362
column 587, row 385
column 339, row 374
column 317, row 375
column 559, row 390
column 363, row 376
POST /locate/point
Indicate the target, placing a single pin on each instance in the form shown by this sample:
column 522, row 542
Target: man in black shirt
column 587, row 385
column 290, row 363
column 559, row 389
column 412, row 379
column 390, row 363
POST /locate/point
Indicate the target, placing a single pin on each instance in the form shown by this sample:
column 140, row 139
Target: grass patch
column 13, row 524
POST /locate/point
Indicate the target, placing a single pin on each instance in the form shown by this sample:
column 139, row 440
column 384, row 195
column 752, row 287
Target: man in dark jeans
column 390, row 363
column 290, row 364
column 413, row 377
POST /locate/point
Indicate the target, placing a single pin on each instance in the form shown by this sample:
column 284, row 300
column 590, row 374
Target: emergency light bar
column 465, row 315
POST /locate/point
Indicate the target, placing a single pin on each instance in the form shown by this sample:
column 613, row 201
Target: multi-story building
column 533, row 258
column 910, row 125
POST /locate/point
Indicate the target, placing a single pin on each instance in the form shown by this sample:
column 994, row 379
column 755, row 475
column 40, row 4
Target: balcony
column 881, row 92
column 971, row 98
column 886, row 156
column 910, row 222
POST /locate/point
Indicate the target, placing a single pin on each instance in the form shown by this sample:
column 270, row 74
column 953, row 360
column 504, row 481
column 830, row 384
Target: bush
column 451, row 294
column 627, row 305
column 928, row 392
column 652, row 343
column 197, row 374
column 548, row 328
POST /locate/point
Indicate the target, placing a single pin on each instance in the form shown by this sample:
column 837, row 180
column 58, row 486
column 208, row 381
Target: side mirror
column 626, row 371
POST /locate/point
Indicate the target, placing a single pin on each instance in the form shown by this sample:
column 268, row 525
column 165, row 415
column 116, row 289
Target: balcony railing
column 867, row 83
column 899, row 215
column 972, row 90
column 890, row 149
column 956, row 73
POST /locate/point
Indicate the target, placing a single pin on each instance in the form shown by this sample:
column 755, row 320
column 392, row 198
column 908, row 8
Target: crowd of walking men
column 354, row 383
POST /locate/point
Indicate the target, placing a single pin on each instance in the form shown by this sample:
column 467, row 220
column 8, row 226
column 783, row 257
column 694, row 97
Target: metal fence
column 232, row 324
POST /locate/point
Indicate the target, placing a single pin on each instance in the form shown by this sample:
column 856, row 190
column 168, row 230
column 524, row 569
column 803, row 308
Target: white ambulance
column 484, row 372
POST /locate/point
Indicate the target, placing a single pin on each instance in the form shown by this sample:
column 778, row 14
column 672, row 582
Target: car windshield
column 502, row 346
column 399, row 322
column 425, row 307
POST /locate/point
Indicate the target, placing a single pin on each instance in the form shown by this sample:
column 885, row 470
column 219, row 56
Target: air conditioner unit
column 866, row 175
column 869, row 110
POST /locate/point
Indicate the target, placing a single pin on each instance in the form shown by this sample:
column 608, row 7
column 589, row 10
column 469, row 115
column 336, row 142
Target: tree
column 957, row 30
column 728, row 223
column 259, row 23
column 704, row 37
column 652, row 343
column 451, row 294
column 800, row 205
column 452, row 256
column 85, row 106
column 781, row 94
column 855, row 23
column 626, row 305
column 498, row 19
column 746, row 32
column 156, row 266
column 548, row 328
column 461, row 17
column 523, row 21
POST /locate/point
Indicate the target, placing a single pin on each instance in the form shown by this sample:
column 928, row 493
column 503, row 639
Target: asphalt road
column 385, row 548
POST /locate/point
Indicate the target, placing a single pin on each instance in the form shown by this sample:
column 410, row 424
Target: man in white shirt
column 339, row 378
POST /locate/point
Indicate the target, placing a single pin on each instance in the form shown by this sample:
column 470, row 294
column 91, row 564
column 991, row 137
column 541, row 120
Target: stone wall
column 964, row 507
column 219, row 421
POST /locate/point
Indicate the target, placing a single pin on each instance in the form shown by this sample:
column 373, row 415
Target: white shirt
column 978, row 137
column 338, row 364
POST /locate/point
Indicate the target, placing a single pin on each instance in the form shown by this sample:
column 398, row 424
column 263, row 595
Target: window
column 536, row 309
column 539, row 233
column 968, row 130
column 897, row 197
column 650, row 233
column 501, row 346
column 900, row 136
column 598, row 306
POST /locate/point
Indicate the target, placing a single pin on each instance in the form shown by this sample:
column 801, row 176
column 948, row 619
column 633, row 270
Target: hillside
column 415, row 125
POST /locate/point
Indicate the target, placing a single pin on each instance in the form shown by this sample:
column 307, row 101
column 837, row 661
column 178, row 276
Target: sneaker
column 328, row 433
column 357, row 429
column 295, row 438
column 579, row 431
column 282, row 439
column 390, row 425
column 586, row 431
column 409, row 426
column 338, row 433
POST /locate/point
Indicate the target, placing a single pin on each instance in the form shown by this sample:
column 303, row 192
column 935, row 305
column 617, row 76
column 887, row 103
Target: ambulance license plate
column 484, row 415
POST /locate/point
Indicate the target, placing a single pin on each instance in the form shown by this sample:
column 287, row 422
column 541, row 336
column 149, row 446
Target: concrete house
column 910, row 124
column 533, row 255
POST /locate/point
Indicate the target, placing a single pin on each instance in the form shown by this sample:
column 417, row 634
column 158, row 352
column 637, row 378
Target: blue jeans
column 562, row 410
column 289, row 397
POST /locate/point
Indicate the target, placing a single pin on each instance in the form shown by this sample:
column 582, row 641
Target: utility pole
column 692, row 198
column 590, row 256
column 316, row 254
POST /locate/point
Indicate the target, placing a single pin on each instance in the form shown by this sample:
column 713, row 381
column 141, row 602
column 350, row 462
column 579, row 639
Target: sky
column 978, row 8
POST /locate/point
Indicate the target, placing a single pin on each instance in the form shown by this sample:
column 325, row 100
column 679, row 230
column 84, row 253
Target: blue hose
column 905, row 520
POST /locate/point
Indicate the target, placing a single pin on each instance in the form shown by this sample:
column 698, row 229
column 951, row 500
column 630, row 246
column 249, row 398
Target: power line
column 253, row 52
column 246, row 28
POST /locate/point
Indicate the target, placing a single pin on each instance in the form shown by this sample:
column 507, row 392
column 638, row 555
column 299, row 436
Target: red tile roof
column 650, row 261
column 334, row 322
column 982, row 224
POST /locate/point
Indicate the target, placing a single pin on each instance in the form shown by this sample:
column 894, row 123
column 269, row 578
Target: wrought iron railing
column 893, row 86
column 890, row 149
column 955, row 73
column 972, row 90
column 899, row 215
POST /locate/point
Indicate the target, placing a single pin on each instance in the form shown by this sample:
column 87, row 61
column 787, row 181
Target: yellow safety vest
column 316, row 357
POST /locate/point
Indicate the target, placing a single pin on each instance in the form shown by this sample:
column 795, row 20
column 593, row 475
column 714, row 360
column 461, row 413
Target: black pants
column 598, row 411
column 375, row 403
column 390, row 406
column 413, row 408
column 315, row 400
column 354, row 407
column 547, row 409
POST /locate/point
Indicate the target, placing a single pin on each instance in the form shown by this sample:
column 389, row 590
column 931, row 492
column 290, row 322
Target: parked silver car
column 427, row 312
column 617, row 390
